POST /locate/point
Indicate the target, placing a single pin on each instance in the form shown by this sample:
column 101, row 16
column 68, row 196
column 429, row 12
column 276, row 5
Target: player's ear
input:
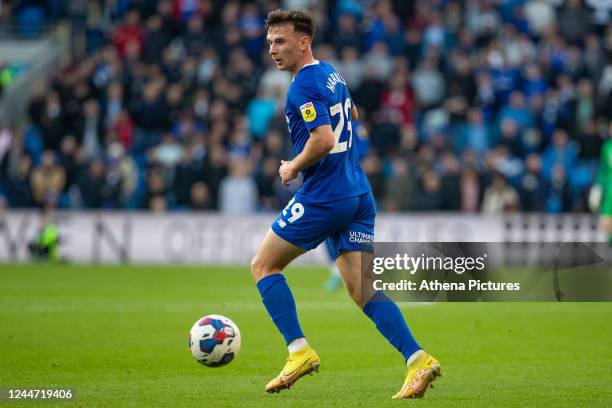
column 304, row 42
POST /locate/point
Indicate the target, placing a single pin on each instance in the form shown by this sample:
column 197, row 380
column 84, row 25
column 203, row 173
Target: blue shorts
column 347, row 224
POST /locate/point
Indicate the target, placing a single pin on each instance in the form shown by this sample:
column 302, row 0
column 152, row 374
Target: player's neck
column 307, row 60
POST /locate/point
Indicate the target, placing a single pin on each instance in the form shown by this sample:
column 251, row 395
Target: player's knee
column 256, row 268
column 260, row 268
column 606, row 224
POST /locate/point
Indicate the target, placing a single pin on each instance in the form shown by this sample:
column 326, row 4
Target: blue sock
column 277, row 298
column 391, row 324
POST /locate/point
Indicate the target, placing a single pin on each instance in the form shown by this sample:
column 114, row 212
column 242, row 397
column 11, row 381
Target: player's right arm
column 310, row 103
column 319, row 144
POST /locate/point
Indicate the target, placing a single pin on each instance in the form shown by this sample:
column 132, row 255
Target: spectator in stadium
column 238, row 190
column 385, row 27
column 52, row 122
column 474, row 134
column 429, row 85
column 584, row 106
column 517, row 111
column 13, row 156
column 503, row 86
column 499, row 197
column 251, row 24
column 574, row 21
column 461, row 82
column 6, row 141
column 189, row 171
column 123, row 129
column 558, row 193
column 350, row 67
column 200, row 197
column 267, row 184
column 590, row 142
column 71, row 158
column 195, row 39
column 373, row 168
column 450, row 193
column 532, row 185
column 594, row 57
column 385, row 137
column 274, row 82
column 511, row 137
column 168, row 153
column 215, row 170
column 113, row 104
column 400, row 187
column 378, row 61
column 561, row 152
column 129, row 34
column 92, row 185
column 90, row 130
column 36, row 107
column 48, row 180
column 348, row 35
column 121, row 177
column 399, row 97
column 19, row 186
column 540, row 16
column 428, row 195
column 370, row 90
column 158, row 204
column 470, row 188
column 260, row 111
column 149, row 114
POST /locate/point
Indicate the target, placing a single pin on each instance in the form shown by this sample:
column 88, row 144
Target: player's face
column 284, row 45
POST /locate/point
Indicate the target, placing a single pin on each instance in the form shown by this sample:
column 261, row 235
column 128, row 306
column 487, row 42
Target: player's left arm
column 354, row 113
column 601, row 179
column 319, row 144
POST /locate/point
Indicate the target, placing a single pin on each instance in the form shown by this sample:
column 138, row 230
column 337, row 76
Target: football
column 214, row 340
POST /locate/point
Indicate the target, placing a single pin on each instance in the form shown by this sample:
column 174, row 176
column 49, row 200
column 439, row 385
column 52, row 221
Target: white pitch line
column 177, row 307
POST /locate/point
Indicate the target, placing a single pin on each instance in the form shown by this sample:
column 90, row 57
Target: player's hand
column 287, row 172
column 595, row 195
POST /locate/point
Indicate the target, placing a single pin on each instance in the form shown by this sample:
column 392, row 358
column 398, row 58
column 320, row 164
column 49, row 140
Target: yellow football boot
column 302, row 362
column 421, row 373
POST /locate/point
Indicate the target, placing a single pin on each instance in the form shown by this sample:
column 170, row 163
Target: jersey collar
column 316, row 62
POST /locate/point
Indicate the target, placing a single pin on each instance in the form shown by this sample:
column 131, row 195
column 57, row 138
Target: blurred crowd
column 476, row 105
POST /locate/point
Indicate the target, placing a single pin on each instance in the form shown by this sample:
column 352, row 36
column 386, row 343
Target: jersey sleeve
column 311, row 105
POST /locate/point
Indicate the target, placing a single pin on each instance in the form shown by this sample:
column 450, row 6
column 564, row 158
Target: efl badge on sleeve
column 308, row 112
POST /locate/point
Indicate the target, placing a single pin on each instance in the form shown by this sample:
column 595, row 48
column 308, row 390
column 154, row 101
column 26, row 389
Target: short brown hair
column 302, row 20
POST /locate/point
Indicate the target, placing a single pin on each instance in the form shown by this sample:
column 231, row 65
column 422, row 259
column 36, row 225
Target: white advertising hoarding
column 210, row 238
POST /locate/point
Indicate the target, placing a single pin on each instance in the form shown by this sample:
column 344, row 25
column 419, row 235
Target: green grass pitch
column 118, row 336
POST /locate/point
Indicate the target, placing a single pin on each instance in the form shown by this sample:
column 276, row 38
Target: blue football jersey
column 318, row 96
